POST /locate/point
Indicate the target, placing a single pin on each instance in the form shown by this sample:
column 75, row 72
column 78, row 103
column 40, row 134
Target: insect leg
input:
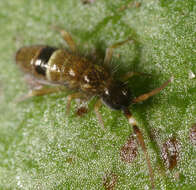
column 39, row 92
column 141, row 142
column 140, row 139
column 130, row 74
column 32, row 83
column 67, row 37
column 96, row 109
column 71, row 97
column 109, row 51
column 152, row 93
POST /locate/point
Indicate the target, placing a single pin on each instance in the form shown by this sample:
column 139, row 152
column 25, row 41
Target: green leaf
column 43, row 148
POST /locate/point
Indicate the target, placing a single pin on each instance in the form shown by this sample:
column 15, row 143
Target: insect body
column 60, row 67
column 49, row 65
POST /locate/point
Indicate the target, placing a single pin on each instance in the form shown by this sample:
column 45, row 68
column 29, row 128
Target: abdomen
column 53, row 65
column 34, row 60
column 58, row 66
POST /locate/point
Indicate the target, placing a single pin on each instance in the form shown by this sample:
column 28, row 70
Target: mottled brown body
column 59, row 66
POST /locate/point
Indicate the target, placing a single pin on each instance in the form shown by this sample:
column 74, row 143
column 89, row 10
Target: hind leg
column 67, row 37
column 32, row 83
column 37, row 88
column 39, row 92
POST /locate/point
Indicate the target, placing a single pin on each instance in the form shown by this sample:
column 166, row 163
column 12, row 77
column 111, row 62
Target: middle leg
column 97, row 106
column 74, row 96
column 109, row 51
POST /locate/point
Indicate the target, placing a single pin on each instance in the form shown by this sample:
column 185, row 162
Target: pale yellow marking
column 72, row 73
column 132, row 121
column 86, row 86
column 106, row 91
column 51, row 65
column 86, row 78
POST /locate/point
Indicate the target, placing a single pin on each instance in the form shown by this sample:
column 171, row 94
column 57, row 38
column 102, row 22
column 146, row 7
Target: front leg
column 151, row 93
column 140, row 140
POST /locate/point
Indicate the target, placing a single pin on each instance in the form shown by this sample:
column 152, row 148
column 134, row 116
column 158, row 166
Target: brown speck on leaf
column 192, row 134
column 88, row 1
column 109, row 181
column 81, row 111
column 69, row 160
column 170, row 152
column 117, row 55
column 137, row 4
column 177, row 176
column 130, row 150
column 129, row 5
column 155, row 134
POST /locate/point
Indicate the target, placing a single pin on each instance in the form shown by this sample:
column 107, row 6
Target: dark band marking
column 41, row 62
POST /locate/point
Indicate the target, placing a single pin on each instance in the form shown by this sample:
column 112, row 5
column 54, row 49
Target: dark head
column 117, row 96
